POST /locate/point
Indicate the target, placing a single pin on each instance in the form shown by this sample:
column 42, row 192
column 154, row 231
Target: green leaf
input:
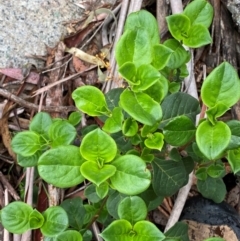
column 28, row 161
column 131, row 177
column 98, row 146
column 41, row 123
column 179, row 131
column 129, row 71
column 179, row 55
column 122, row 230
column 151, row 199
column 90, row 100
column 90, row 213
column 26, row 143
column 146, row 76
column 178, row 104
column 179, row 25
column 234, row 160
column 132, row 209
column 221, row 86
column 155, row 141
column 95, row 173
column 134, row 46
column 75, row 211
column 168, row 177
column 69, row 235
column 212, row 188
column 143, row 20
column 15, row 217
column 130, row 127
column 161, row 56
column 201, row 173
column 114, row 123
column 214, row 112
column 234, row 126
column 102, row 190
column 112, row 203
column 158, row 90
column 198, row 36
column 212, row 140
column 174, row 87
column 113, row 97
column 199, row 12
column 141, row 107
column 75, row 118
column 56, row 221
column 91, row 194
column 216, row 170
column 61, row 166
column 178, row 231
column 36, row 219
column 61, row 133
column 145, row 130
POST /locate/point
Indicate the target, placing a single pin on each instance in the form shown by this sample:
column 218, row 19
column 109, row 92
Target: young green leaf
column 36, row 219
column 179, row 131
column 75, row 118
column 201, row 173
column 132, row 209
column 90, row 100
column 131, row 176
column 114, row 123
column 145, row 130
column 141, row 107
column 143, row 20
column 134, row 46
column 91, row 171
column 155, row 141
column 15, row 217
column 130, row 127
column 199, row 12
column 26, row 143
column 174, row 87
column 212, row 188
column 61, row 166
column 179, row 26
column 147, row 76
column 161, row 56
column 212, row 140
column 179, row 56
column 61, row 133
column 41, row 123
column 56, row 221
column 69, row 235
column 102, row 190
column 221, row 86
column 98, row 146
column 75, row 211
column 124, row 231
column 172, row 172
column 214, row 112
column 158, row 90
column 129, row 71
column 198, row 36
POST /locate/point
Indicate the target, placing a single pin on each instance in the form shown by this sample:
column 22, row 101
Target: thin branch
column 30, row 105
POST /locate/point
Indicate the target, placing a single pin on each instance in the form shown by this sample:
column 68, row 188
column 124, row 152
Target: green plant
column 128, row 160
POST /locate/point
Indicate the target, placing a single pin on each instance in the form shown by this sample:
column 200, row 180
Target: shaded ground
column 18, row 86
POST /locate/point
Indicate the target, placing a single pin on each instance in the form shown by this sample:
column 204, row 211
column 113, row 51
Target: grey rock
column 234, row 7
column 27, row 26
